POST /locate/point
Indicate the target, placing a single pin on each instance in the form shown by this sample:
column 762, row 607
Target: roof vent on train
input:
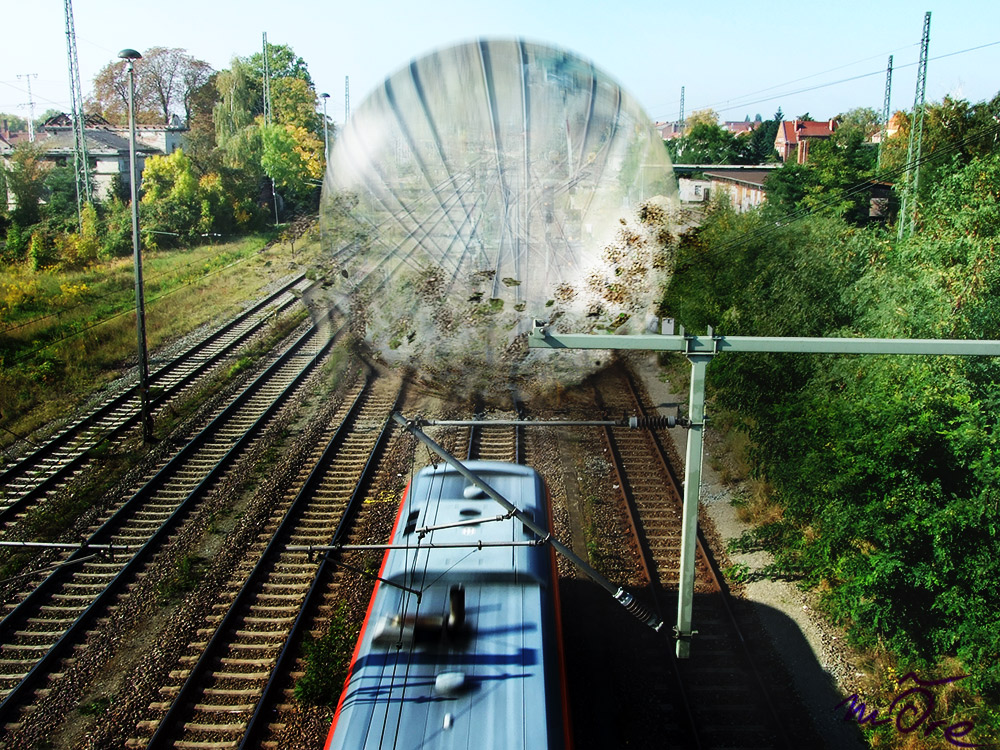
column 472, row 492
column 449, row 683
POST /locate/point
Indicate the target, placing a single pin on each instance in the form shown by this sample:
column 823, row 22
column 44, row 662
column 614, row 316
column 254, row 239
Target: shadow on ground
column 622, row 687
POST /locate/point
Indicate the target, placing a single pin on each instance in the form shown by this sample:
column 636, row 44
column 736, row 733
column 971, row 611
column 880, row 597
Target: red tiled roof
column 793, row 130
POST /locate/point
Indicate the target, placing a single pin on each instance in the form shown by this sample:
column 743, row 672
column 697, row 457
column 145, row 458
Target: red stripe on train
column 364, row 625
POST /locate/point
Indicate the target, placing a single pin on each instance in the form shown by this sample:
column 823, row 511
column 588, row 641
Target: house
column 693, row 190
column 894, row 125
column 669, row 130
column 794, row 137
column 739, row 127
column 107, row 147
column 745, row 186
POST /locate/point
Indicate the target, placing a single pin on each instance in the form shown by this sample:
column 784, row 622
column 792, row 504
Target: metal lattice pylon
column 80, row 160
column 916, row 136
column 885, row 111
column 680, row 119
column 267, row 84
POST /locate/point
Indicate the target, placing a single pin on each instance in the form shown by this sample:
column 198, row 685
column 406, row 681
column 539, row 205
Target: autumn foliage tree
column 166, row 80
column 289, row 149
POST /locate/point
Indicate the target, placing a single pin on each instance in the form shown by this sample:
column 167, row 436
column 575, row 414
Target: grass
column 64, row 334
column 326, row 661
column 185, row 578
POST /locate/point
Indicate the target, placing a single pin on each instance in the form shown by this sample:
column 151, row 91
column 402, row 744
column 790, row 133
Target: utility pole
column 80, row 160
column 347, row 98
column 916, row 138
column 267, row 116
column 680, row 121
column 700, row 351
column 146, row 415
column 885, row 112
column 31, row 106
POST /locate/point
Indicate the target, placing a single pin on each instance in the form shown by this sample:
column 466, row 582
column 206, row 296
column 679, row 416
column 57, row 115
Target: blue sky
column 738, row 58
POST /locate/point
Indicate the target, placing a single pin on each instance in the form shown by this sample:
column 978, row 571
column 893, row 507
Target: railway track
column 29, row 480
column 724, row 698
column 50, row 622
column 242, row 659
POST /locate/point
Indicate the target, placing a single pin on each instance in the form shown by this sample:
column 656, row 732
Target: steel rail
column 775, row 719
column 39, row 595
column 171, row 725
column 256, row 726
column 75, row 432
column 649, row 567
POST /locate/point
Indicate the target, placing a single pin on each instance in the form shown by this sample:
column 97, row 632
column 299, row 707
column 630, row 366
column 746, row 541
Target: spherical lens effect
column 483, row 187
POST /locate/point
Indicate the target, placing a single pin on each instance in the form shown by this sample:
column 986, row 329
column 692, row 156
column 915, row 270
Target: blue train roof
column 491, row 683
column 439, row 495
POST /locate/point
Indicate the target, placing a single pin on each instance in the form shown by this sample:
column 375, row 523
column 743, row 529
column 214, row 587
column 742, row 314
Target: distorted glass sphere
column 485, row 186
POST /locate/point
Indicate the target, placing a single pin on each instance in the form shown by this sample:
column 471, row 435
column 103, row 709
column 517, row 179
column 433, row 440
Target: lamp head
column 129, row 54
column 325, row 95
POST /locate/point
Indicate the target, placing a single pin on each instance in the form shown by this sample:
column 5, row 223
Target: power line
column 858, row 77
column 737, row 103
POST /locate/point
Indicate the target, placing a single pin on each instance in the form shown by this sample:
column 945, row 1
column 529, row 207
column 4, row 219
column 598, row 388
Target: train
column 461, row 646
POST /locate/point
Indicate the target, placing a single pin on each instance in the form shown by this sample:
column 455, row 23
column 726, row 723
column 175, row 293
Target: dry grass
column 58, row 348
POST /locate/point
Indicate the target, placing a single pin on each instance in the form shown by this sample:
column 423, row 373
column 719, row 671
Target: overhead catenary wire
column 860, row 76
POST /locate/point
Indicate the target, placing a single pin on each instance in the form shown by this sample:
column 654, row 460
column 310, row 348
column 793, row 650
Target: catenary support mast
column 885, row 111
column 700, row 350
column 908, row 211
column 80, row 160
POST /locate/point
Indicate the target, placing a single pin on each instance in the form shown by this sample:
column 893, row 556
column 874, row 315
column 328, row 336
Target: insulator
column 657, row 422
column 637, row 610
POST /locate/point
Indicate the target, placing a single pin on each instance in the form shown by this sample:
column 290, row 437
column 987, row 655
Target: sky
column 737, row 58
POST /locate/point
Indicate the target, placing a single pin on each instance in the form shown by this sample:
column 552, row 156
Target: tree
column 702, row 117
column 171, row 204
column 15, row 123
column 759, row 146
column 165, row 79
column 26, row 184
column 290, row 158
column 955, row 132
column 863, row 119
column 60, row 197
column 200, row 141
column 290, row 149
column 195, row 77
column 110, row 95
column 282, row 63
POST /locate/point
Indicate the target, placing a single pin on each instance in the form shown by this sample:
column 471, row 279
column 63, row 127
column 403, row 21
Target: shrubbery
column 887, row 468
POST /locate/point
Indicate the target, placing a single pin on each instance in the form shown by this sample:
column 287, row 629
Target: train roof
column 490, row 682
column 440, row 497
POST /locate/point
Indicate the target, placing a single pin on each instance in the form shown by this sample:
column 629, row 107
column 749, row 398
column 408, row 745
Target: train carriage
column 461, row 646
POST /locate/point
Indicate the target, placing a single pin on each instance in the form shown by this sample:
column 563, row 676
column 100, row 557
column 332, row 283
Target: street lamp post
column 326, row 161
column 326, row 130
column 130, row 56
